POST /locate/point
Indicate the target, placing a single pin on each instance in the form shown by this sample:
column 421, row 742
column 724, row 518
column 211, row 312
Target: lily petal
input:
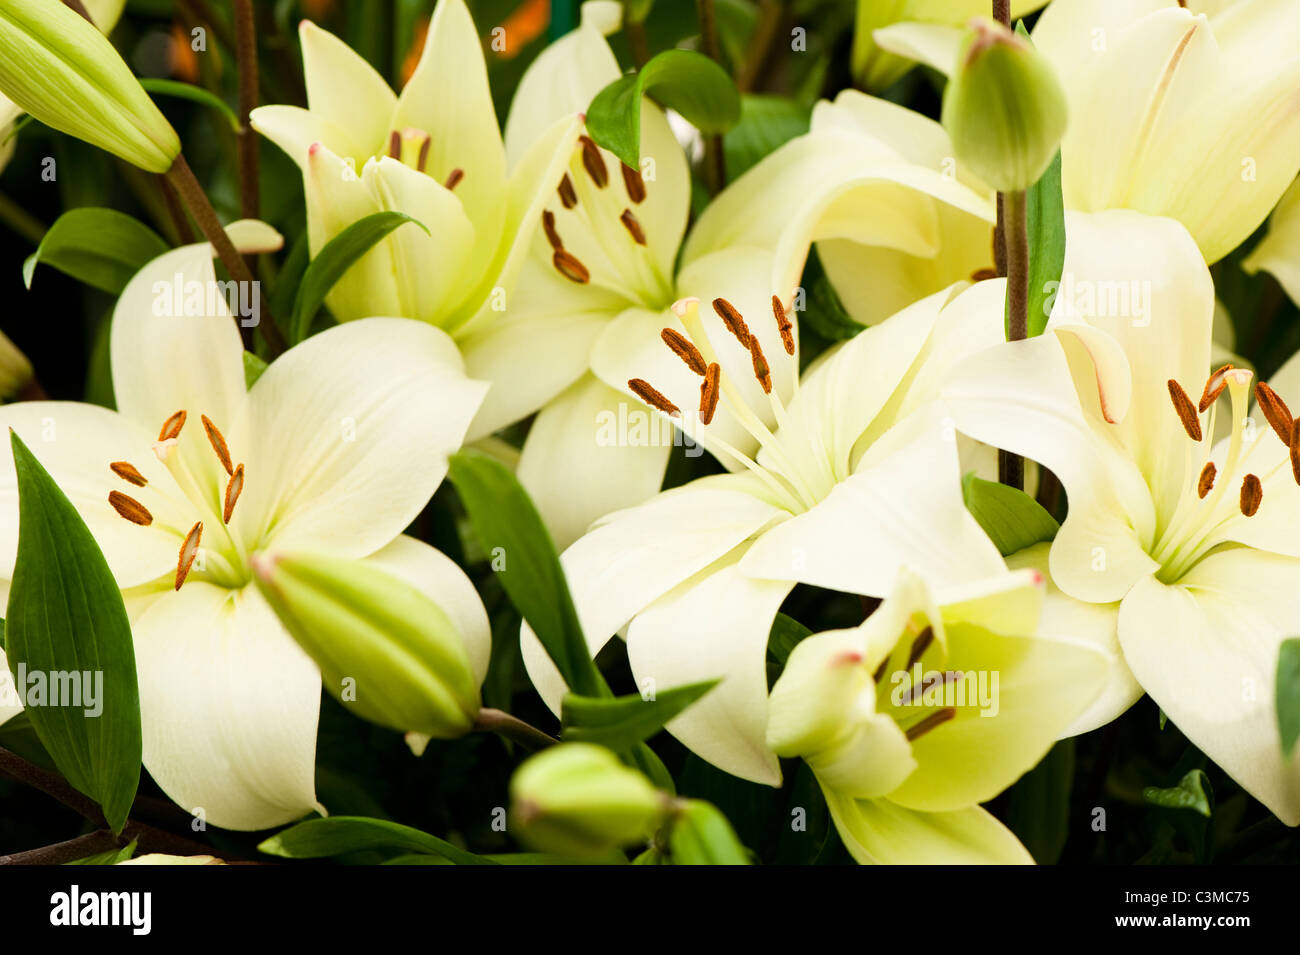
column 345, row 91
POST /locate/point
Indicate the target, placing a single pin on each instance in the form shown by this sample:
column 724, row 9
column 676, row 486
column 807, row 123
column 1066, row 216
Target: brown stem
column 88, row 845
column 52, row 784
column 1002, row 11
column 512, row 728
column 246, row 57
column 184, row 234
column 636, row 41
column 1000, row 240
column 760, row 45
column 196, row 200
column 715, row 160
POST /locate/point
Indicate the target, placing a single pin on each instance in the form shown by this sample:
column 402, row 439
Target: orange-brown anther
column 1214, row 386
column 127, row 472
column 919, row 646
column 234, row 487
column 568, row 265
column 552, row 235
column 937, row 718
column 395, row 144
column 189, row 550
column 633, row 183
column 709, row 393
column 783, row 324
column 984, row 274
column 423, row 158
column 732, row 319
column 653, row 397
column 130, row 508
column 454, row 177
column 1186, row 410
column 1294, row 445
column 594, row 162
column 218, row 442
column 1252, row 493
column 761, row 370
column 1206, row 482
column 172, row 426
column 568, row 196
column 1276, row 413
column 685, row 349
column 633, row 226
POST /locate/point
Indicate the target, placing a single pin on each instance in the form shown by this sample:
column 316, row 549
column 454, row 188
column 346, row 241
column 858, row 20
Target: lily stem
column 196, row 200
column 21, row 221
column 246, row 57
column 511, row 728
column 715, row 160
column 1011, row 467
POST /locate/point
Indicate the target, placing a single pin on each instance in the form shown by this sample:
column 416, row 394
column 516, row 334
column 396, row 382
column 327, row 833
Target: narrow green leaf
column 784, row 636
column 195, row 94
column 1012, row 519
column 1288, row 693
column 336, row 835
column 100, row 247
column 682, row 80
column 512, row 532
column 67, row 626
column 337, row 256
column 1045, row 214
column 1192, row 792
column 701, row 835
column 626, row 720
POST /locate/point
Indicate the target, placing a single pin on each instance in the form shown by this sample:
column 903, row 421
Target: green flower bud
column 15, row 369
column 578, row 800
column 57, row 66
column 385, row 649
column 1004, row 108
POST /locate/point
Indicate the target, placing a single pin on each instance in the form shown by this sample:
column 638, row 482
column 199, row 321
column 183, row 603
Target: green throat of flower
column 1213, row 494
column 410, row 147
column 615, row 253
column 224, row 561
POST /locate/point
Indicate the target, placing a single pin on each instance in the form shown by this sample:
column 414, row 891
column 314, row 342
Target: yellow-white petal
column 344, row 90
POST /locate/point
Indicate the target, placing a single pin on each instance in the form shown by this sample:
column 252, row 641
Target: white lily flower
column 1188, row 547
column 926, row 710
column 434, row 153
column 838, row 494
column 334, row 450
column 1178, row 112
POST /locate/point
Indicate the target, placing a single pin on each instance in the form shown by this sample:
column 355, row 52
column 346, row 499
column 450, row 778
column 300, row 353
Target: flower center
column 606, row 245
column 410, row 147
column 913, row 696
column 797, row 479
column 224, row 562
column 1216, row 494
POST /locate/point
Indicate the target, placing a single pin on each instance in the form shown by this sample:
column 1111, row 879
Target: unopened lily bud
column 57, row 66
column 578, row 800
column 1004, row 108
column 15, row 369
column 384, row 648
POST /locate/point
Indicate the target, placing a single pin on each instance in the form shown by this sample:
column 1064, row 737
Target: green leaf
column 66, row 618
column 1045, row 215
column 195, row 94
column 1192, row 792
column 111, row 857
column 337, row 256
column 1039, row 811
column 253, row 368
column 682, row 80
column 701, row 835
column 626, row 720
column 1288, row 693
column 1011, row 518
column 512, row 532
column 100, row 247
column 766, row 122
column 784, row 636
column 336, row 835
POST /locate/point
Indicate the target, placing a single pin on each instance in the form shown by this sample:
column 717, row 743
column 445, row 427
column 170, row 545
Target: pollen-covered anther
column 1186, row 410
column 568, row 196
column 633, row 226
column 234, row 487
column 218, row 443
column 783, row 324
column 569, row 265
column 633, row 183
column 171, row 428
column 1205, row 484
column 937, row 718
column 453, row 178
column 1252, row 493
column 422, row 158
column 685, row 349
column 128, row 472
column 1294, row 446
column 552, row 234
column 984, row 274
column 594, row 162
column 762, row 371
column 395, row 144
column 1276, row 413
column 733, row 320
column 189, row 550
column 653, row 397
column 130, row 508
column 709, row 393
column 1214, row 386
